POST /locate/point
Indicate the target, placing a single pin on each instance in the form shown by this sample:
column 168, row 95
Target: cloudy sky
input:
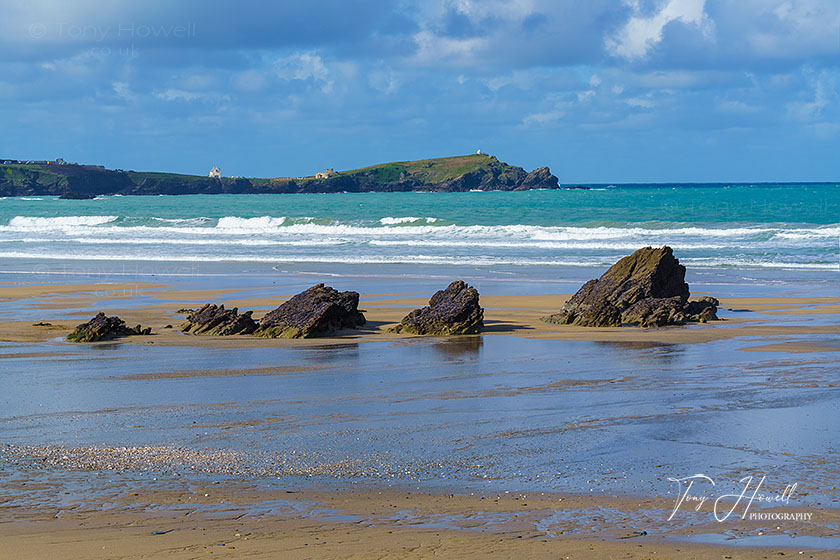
column 601, row 91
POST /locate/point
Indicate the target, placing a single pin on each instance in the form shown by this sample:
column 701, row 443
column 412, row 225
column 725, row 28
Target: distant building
column 60, row 161
column 325, row 174
column 478, row 152
column 215, row 172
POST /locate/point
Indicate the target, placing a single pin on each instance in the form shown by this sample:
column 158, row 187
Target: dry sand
column 517, row 315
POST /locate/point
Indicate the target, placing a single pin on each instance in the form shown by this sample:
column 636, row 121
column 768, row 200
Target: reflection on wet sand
column 467, row 411
column 467, row 346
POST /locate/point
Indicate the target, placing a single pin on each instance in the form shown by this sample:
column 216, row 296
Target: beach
column 294, row 439
column 530, row 438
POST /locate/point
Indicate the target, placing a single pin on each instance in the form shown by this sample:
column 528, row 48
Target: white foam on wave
column 322, row 259
column 830, row 232
column 201, row 220
column 58, row 222
column 348, row 240
column 389, row 221
column 527, row 244
column 599, row 261
column 250, row 224
column 546, row 237
column 249, row 242
column 420, row 226
column 603, row 232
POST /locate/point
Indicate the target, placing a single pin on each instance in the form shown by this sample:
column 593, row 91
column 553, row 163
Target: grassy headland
column 458, row 173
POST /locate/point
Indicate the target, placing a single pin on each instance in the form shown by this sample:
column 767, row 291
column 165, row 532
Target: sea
column 737, row 233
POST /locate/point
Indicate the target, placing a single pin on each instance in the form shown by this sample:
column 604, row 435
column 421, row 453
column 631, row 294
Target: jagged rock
column 599, row 314
column 645, row 289
column 454, row 310
column 104, row 328
column 216, row 320
column 540, row 178
column 74, row 195
column 655, row 312
column 318, row 311
column 703, row 310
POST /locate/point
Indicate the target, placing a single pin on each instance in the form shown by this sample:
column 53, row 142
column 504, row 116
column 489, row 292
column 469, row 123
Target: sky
column 600, row 91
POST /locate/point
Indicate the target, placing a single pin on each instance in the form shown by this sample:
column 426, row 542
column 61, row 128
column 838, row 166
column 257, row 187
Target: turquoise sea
column 785, row 226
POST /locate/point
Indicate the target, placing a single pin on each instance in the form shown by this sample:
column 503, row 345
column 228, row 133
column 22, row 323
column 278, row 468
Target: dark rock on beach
column 454, row 310
column 318, row 311
column 645, row 289
column 655, row 312
column 703, row 310
column 216, row 320
column 104, row 328
column 600, row 314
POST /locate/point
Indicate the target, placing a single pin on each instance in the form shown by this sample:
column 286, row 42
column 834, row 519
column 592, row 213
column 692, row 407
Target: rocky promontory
column 449, row 174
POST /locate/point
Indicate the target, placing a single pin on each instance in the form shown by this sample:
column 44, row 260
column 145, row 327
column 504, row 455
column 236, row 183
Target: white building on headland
column 215, row 172
column 325, row 174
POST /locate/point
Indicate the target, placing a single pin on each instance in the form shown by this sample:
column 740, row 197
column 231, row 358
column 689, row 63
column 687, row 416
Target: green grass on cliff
column 136, row 176
column 428, row 170
column 433, row 170
column 19, row 173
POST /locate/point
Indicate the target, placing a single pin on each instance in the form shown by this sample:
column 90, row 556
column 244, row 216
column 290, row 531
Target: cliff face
column 455, row 174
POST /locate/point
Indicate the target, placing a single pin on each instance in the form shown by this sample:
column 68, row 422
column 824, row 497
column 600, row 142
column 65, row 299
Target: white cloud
column 435, row 50
column 175, row 94
column 123, row 91
column 824, row 94
column 643, row 102
column 640, row 34
column 584, row 96
column 250, row 81
column 384, row 80
column 304, row 66
column 736, row 107
column 787, row 28
column 542, row 118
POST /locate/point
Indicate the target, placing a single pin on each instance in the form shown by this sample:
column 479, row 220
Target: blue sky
column 601, row 91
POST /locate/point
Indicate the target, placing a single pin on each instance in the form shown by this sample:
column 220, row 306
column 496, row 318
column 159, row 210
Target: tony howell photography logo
column 111, row 32
column 695, row 491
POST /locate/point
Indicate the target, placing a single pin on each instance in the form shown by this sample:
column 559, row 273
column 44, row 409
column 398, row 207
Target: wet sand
column 235, row 522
